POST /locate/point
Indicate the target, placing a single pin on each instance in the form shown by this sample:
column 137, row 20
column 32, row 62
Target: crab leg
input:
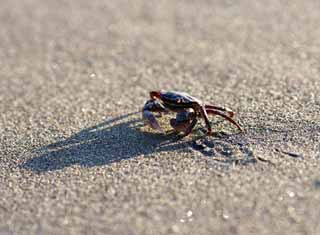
column 223, row 109
column 204, row 115
column 216, row 112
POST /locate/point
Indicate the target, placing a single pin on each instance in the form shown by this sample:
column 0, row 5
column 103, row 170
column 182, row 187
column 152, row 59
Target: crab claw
column 151, row 120
column 179, row 126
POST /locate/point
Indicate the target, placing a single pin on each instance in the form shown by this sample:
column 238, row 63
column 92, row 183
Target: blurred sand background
column 76, row 159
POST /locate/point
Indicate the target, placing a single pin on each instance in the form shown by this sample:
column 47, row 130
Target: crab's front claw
column 149, row 118
column 179, row 126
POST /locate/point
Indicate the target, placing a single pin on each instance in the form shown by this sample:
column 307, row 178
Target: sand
column 75, row 157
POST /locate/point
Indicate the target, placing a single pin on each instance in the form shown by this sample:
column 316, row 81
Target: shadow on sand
column 113, row 140
column 123, row 138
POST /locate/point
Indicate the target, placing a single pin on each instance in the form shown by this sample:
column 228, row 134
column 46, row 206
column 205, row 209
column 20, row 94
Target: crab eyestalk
column 155, row 95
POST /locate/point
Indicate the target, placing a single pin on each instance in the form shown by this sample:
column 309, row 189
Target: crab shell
column 175, row 100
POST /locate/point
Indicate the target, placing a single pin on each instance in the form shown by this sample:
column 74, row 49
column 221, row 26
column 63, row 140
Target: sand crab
column 188, row 110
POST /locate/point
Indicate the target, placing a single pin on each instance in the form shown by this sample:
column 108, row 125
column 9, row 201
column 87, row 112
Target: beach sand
column 75, row 157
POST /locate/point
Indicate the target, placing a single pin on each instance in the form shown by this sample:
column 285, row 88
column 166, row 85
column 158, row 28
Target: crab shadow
column 110, row 141
column 123, row 138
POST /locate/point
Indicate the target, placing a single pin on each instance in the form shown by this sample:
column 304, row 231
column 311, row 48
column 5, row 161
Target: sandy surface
column 76, row 159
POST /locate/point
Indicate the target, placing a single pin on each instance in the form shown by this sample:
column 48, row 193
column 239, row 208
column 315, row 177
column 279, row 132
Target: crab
column 188, row 109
